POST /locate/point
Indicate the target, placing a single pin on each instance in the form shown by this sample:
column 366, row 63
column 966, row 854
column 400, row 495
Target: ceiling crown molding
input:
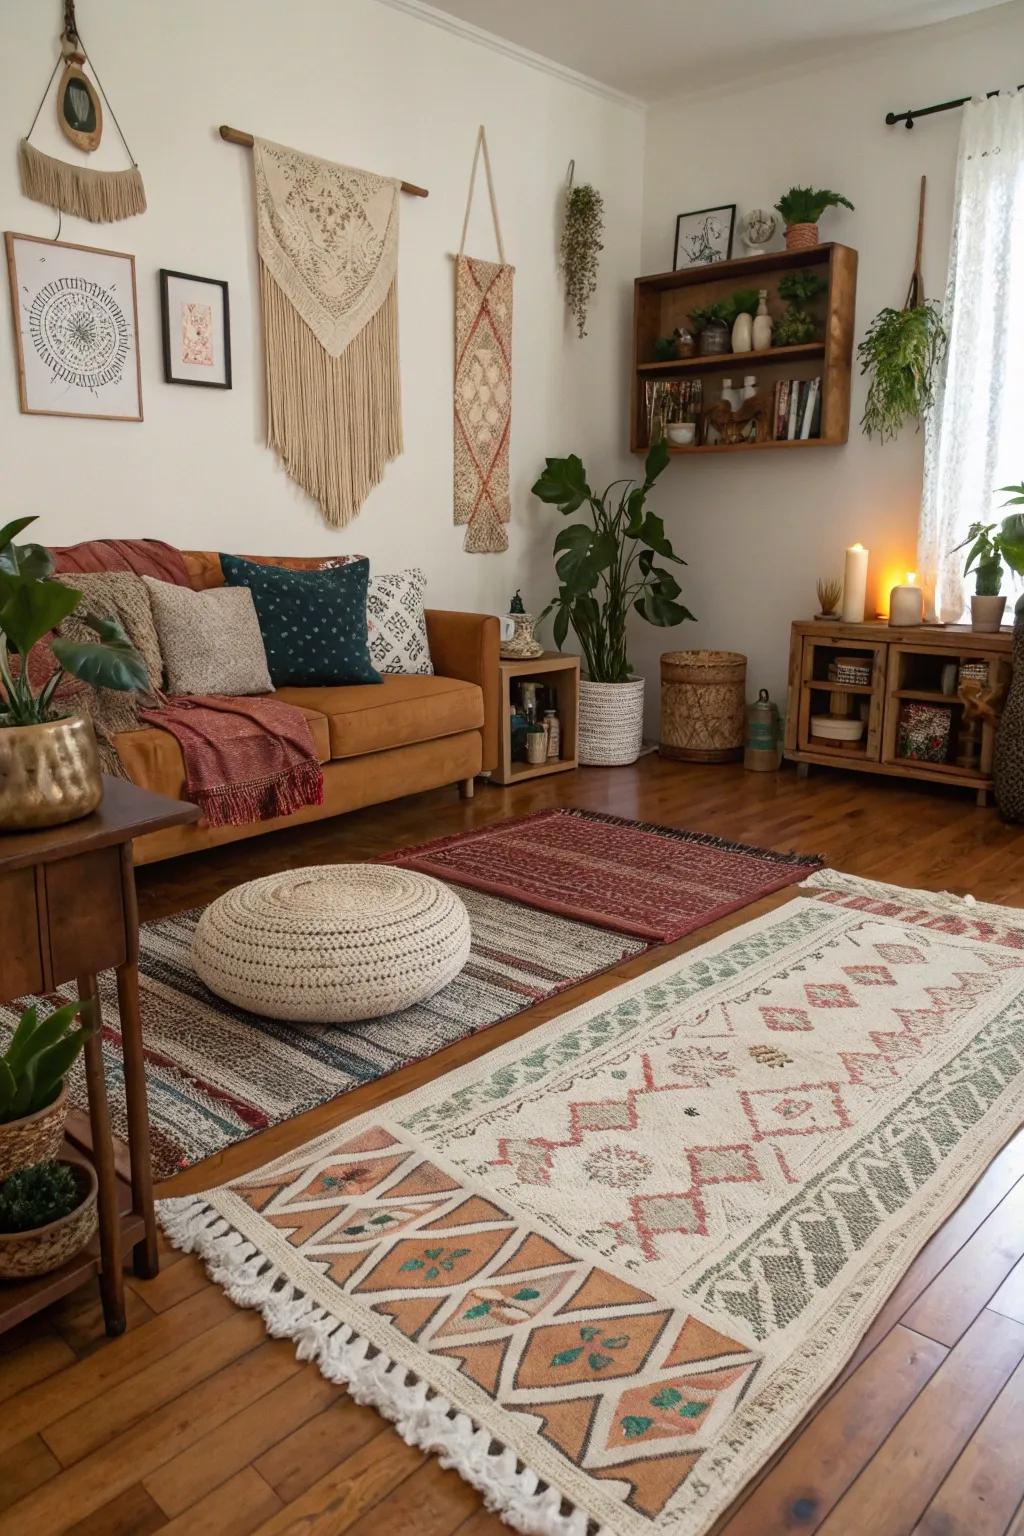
column 484, row 39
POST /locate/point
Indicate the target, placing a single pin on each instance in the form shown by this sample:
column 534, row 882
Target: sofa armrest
column 466, row 645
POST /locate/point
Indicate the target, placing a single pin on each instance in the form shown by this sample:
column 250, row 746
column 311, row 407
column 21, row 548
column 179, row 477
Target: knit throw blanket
column 328, row 247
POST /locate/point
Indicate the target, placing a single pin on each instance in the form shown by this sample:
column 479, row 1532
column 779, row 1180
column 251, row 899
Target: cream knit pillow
column 211, row 641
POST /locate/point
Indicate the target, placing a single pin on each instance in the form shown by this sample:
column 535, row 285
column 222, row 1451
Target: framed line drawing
column 196, row 326
column 76, row 329
column 704, row 236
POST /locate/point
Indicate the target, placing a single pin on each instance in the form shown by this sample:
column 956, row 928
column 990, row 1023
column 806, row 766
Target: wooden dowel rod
column 236, row 136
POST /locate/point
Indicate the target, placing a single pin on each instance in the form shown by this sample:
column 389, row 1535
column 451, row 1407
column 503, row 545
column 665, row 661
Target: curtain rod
column 943, row 106
column 238, row 136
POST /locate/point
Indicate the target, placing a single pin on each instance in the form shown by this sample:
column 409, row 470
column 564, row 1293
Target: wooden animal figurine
column 733, row 426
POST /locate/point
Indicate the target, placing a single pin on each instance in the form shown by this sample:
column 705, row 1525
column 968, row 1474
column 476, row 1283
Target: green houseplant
column 49, row 763
column 607, row 566
column 33, row 1093
column 581, row 245
column 798, row 325
column 992, row 546
column 901, row 351
column 801, row 208
column 47, row 1215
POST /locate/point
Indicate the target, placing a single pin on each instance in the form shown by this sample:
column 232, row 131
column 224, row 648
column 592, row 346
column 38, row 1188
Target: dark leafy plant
column 794, row 328
column 39, row 1057
column 805, row 205
column 31, row 607
column 742, row 302
column 710, row 314
column 993, row 543
column 798, row 325
column 33, row 1197
column 801, row 286
column 581, row 245
column 901, row 352
column 607, row 565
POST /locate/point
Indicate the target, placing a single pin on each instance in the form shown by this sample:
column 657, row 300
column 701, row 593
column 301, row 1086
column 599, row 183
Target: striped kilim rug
column 606, row 1269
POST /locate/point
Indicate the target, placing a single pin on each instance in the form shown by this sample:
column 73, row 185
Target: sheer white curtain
column 975, row 435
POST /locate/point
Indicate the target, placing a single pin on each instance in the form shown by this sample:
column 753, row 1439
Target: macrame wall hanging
column 101, row 196
column 483, row 383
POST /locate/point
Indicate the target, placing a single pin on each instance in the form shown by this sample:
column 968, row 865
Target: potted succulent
column 991, row 546
column 801, row 208
column 712, row 324
column 47, row 1215
column 606, row 567
column 33, row 1093
column 49, row 761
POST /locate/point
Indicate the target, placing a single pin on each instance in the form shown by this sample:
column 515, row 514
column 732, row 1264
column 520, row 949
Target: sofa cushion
column 152, row 758
column 313, row 622
column 211, row 641
column 400, row 711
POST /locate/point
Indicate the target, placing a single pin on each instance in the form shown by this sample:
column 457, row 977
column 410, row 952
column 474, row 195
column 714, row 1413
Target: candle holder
column 906, row 605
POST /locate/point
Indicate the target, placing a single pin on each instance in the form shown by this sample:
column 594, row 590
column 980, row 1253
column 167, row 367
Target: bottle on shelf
column 761, row 331
column 553, row 727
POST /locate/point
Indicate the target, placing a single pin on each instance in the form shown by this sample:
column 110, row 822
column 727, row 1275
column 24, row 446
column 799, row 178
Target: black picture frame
column 166, row 275
column 725, row 209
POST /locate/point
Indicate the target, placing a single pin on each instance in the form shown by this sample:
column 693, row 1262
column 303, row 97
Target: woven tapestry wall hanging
column 328, row 247
column 483, row 384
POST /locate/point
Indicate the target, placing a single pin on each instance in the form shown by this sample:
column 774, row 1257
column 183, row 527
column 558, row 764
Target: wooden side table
column 562, row 673
column 68, row 911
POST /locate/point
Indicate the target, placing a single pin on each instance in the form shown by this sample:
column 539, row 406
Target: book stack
column 670, row 400
column 796, row 410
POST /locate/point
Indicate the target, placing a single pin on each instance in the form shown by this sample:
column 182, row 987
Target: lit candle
column 906, row 604
column 855, row 584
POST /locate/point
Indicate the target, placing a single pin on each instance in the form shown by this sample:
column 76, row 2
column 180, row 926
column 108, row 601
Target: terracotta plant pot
column 800, row 237
column 611, row 722
column 986, row 614
column 49, row 773
column 33, row 1138
column 42, row 1249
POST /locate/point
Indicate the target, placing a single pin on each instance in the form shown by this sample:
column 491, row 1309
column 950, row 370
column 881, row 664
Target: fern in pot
column 607, row 566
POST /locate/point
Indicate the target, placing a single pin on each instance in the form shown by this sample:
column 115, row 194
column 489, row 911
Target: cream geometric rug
column 606, row 1270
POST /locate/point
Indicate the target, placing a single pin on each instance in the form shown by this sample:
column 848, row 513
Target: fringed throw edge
column 335, row 422
column 422, row 1416
column 280, row 794
column 101, row 196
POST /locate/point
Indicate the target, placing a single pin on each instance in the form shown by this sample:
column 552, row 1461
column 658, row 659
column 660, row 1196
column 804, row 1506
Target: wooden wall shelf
column 665, row 300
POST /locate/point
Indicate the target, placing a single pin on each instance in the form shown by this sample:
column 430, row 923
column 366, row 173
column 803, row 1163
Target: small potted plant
column 33, row 1093
column 606, row 567
column 49, row 761
column 991, row 546
column 801, row 208
column 712, row 324
column 47, row 1215
column 798, row 325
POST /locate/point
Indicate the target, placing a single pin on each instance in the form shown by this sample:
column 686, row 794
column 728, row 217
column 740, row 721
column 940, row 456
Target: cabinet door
column 825, row 695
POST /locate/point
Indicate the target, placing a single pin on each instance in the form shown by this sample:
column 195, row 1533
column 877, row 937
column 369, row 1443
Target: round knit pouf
column 332, row 944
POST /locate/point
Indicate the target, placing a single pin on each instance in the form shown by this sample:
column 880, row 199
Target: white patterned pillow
column 396, row 623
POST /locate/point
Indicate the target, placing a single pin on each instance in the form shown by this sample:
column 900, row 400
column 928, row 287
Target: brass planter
column 49, row 773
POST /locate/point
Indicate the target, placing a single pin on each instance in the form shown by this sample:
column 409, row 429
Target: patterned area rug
column 217, row 1074
column 616, row 1261
column 634, row 876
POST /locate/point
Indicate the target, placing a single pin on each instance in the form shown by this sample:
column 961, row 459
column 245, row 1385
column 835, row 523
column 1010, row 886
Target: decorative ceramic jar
column 39, row 1250
column 682, row 434
column 743, row 332
column 986, row 614
column 714, row 339
column 800, row 237
column 49, row 773
column 536, row 743
column 611, row 730
column 522, row 646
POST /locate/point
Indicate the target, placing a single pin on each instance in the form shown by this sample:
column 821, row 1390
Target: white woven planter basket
column 611, row 722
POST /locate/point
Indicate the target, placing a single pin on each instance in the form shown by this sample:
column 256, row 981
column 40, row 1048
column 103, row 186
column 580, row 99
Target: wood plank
column 175, row 1282
column 236, row 1508
column 432, row 1501
column 982, row 1491
column 1009, row 1299
column 304, row 1456
column 335, row 1502
column 38, row 1358
column 898, row 1483
column 132, row 1513
column 969, row 1280
column 840, row 1440
column 79, row 1318
column 25, row 1467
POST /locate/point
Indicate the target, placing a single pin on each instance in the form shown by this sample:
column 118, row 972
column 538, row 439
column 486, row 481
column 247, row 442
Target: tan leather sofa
column 376, row 741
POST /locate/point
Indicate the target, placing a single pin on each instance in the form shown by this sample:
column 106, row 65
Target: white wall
column 758, row 529
column 366, row 84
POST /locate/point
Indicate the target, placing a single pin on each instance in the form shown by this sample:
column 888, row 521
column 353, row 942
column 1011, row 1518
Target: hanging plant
column 581, row 242
column 900, row 352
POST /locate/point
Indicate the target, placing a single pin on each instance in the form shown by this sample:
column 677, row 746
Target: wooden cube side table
column 562, row 674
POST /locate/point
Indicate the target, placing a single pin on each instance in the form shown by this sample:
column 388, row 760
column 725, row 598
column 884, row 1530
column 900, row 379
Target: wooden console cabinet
column 906, row 666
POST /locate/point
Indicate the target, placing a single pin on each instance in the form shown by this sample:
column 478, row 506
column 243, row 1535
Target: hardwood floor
column 196, row 1422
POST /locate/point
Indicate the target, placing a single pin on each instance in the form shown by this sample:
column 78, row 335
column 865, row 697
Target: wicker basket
column 24, row 1254
column 800, row 237
column 34, row 1138
column 703, row 705
column 611, row 730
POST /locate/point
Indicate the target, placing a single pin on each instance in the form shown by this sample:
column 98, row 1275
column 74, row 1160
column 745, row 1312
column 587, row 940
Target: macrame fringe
column 334, row 421
column 101, row 196
column 233, row 805
column 422, row 1417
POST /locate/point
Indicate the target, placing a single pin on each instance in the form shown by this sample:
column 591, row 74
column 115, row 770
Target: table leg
column 144, row 1254
column 111, row 1274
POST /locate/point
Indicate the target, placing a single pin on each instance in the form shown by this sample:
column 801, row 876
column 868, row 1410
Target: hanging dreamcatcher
column 98, row 195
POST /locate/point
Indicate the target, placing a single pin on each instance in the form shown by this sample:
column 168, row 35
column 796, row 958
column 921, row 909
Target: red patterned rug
column 656, row 882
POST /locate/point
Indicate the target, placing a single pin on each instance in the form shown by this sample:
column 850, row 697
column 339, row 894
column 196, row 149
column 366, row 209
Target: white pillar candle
column 906, row 604
column 855, row 584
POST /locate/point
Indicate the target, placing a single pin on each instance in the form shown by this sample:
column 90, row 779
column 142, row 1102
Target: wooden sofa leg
column 466, row 788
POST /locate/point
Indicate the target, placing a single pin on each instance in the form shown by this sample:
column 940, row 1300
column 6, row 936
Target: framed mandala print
column 196, row 328
column 76, row 328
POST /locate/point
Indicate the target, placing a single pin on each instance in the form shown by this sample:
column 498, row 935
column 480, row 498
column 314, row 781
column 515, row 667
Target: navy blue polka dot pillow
column 313, row 622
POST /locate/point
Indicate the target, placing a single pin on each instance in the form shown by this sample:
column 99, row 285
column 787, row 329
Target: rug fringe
column 941, row 901
column 423, row 1417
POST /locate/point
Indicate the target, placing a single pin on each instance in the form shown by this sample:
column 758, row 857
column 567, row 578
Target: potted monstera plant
column 608, row 566
column 49, row 761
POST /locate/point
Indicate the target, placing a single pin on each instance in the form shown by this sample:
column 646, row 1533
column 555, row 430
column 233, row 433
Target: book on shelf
column 667, row 401
column 796, row 410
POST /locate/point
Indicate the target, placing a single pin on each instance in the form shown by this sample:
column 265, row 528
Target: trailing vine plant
column 581, row 242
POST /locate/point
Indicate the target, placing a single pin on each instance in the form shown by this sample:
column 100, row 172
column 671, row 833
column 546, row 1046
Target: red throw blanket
column 246, row 759
column 143, row 557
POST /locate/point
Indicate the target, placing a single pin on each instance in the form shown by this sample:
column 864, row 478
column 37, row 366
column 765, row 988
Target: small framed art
column 76, row 329
column 197, row 330
column 704, row 236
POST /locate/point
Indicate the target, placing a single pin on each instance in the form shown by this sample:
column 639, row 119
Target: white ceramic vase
column 742, row 333
column 611, row 722
column 986, row 614
column 761, row 331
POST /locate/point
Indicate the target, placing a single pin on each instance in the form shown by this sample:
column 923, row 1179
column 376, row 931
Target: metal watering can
column 763, row 744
